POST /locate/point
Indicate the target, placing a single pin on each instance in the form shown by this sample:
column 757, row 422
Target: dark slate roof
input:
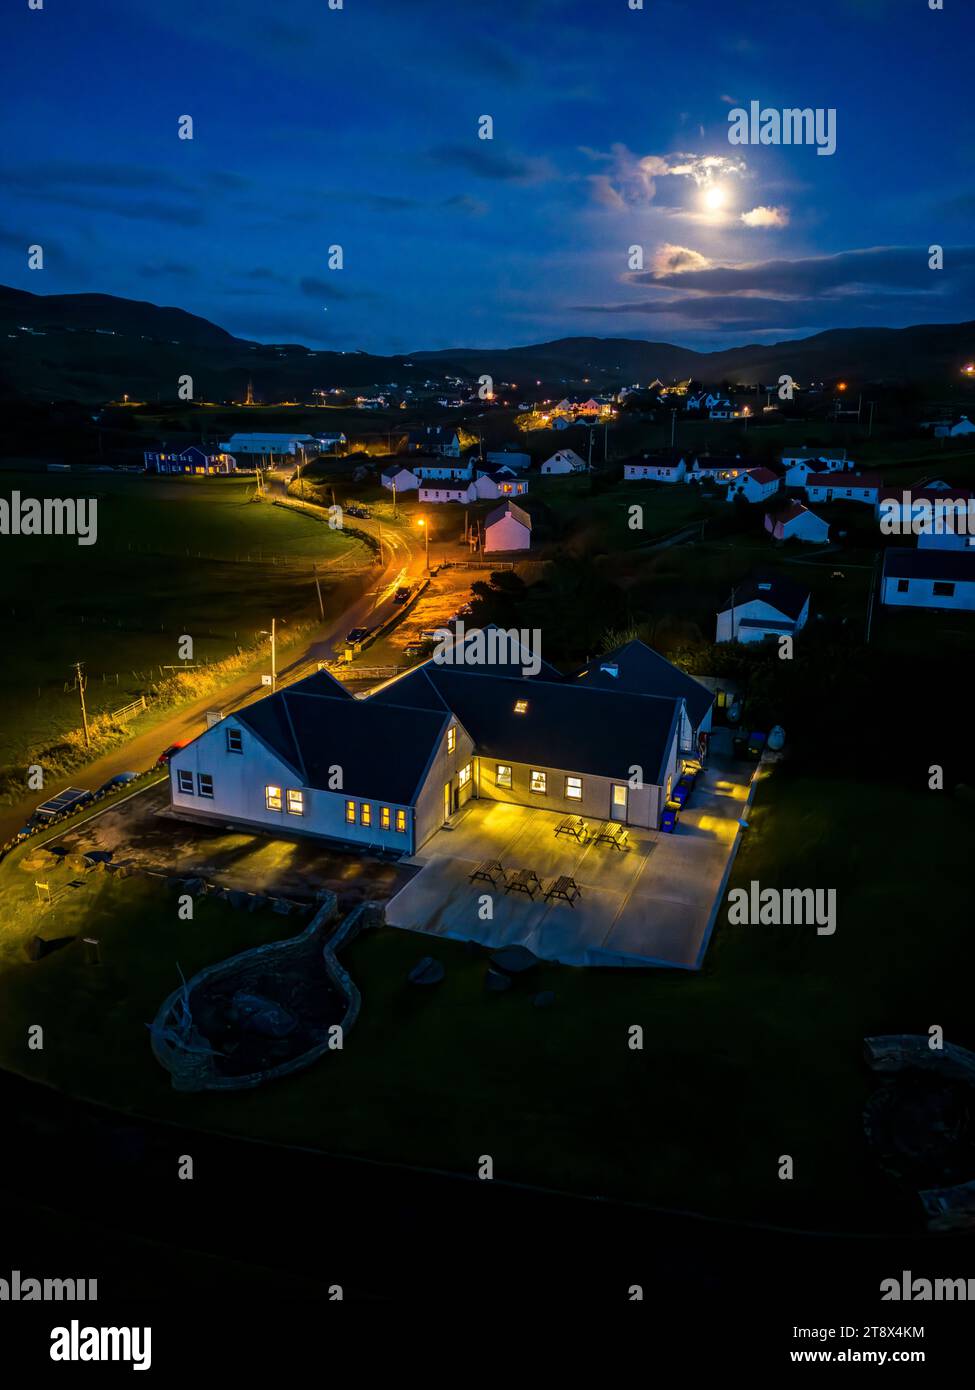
column 602, row 733
column 322, row 683
column 930, row 564
column 642, row 671
column 381, row 756
column 505, row 509
column 784, row 594
column 393, row 469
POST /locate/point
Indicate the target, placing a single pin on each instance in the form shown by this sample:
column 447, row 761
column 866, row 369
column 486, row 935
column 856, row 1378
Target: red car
column 167, row 753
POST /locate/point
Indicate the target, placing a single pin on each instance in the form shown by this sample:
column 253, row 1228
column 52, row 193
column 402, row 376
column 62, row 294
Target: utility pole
column 80, row 681
column 394, row 498
column 318, row 590
column 274, row 655
column 870, row 425
column 673, row 426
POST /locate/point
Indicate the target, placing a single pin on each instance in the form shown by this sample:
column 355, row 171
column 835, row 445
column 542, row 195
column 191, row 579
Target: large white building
column 929, row 579
column 269, row 445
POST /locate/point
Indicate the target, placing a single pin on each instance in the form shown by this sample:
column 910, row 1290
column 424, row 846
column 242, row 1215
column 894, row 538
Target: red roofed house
column 797, row 523
column 757, row 485
column 843, row 487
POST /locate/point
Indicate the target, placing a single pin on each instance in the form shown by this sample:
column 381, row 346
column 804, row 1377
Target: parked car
column 358, row 511
column 167, row 753
column 401, row 595
column 121, row 779
column 416, row 648
column 356, row 634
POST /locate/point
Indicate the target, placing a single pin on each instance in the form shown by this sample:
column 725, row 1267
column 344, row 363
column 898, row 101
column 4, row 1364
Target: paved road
column 404, row 562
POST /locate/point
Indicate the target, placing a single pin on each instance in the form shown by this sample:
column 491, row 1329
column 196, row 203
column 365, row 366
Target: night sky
column 358, row 127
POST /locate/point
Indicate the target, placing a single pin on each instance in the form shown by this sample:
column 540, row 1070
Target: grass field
column 173, row 556
column 757, row 1056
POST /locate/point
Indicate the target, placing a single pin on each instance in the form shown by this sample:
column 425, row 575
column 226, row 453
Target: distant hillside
column 95, row 347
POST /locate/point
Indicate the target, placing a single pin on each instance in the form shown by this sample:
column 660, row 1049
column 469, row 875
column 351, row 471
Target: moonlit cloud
column 675, row 260
column 632, row 180
column 766, row 217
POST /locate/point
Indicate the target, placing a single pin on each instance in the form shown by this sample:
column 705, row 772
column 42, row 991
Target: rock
column 427, row 972
column 513, row 960
column 496, row 981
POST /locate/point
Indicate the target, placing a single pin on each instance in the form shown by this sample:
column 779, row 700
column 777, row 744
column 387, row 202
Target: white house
column 954, row 429
column 929, row 578
column 507, row 528
column 442, row 467
column 191, row 460
column 754, row 485
column 843, row 487
column 797, row 522
column 665, row 468
column 491, row 483
column 267, row 445
column 938, row 509
column 438, row 438
column 720, row 468
column 565, row 461
column 799, row 466
column 397, row 477
column 763, row 606
column 447, row 492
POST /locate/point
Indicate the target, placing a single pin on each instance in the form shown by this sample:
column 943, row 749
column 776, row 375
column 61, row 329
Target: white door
column 618, row 802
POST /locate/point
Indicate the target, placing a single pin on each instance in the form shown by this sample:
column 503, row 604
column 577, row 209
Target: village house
column 843, row 487
column 754, row 485
column 270, row 445
column 897, row 509
column 509, row 458
column 398, row 478
column 499, row 482
column 929, row 578
column 437, row 439
column 387, row 771
column 447, row 492
column 950, row 429
column 668, row 467
column 719, row 468
column 507, row 528
column 763, row 606
column 442, row 467
column 190, row 460
column 564, row 461
column 796, row 522
column 799, row 466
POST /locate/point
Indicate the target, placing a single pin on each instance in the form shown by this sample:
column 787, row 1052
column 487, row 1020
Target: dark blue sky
column 359, row 127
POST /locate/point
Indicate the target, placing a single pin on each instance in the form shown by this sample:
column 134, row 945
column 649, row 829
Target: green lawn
column 173, row 556
column 757, row 1056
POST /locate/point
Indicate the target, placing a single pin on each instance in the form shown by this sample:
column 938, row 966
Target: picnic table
column 524, row 881
column 490, row 871
column 611, row 832
column 565, row 888
column 574, row 826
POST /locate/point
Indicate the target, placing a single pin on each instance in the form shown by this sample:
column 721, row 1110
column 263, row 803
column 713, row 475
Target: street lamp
column 422, row 523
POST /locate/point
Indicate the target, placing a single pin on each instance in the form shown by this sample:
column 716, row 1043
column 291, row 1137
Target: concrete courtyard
column 653, row 904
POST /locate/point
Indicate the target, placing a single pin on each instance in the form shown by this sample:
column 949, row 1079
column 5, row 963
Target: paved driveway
column 654, row 904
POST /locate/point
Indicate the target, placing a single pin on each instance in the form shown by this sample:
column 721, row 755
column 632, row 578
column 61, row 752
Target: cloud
column 488, row 163
column 314, row 287
column 632, row 181
column 676, row 260
column 766, row 217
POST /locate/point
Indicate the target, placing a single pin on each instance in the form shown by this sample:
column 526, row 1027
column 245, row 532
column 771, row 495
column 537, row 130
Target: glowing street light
column 422, row 523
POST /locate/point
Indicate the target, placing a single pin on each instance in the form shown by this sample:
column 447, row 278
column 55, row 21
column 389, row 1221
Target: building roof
column 508, row 509
column 642, row 671
column 381, row 757
column 792, row 512
column 393, row 470
column 844, row 480
column 763, row 475
column 929, row 564
column 784, row 594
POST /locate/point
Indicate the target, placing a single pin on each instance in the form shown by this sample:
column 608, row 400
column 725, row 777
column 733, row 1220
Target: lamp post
column 422, row 523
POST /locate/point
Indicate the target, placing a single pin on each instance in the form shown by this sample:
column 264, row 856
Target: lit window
column 350, row 812
column 204, row 784
column 365, row 813
column 401, row 822
column 521, row 707
column 235, row 741
column 384, row 817
column 464, row 776
column 573, row 788
column 451, row 739
column 619, row 794
column 502, row 776
column 539, row 781
column 185, row 781
column 272, row 798
column 296, row 803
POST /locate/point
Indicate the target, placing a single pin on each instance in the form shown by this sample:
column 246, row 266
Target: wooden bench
column 524, row 881
column 574, row 826
column 490, row 871
column 564, row 888
column 612, row 833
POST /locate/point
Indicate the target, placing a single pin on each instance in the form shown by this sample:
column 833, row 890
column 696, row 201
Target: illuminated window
column 502, row 776
column 365, row 813
column 272, row 798
column 539, row 781
column 521, row 707
column 619, row 794
column 350, row 812
column 384, row 817
column 204, row 784
column 296, row 803
column 451, row 739
column 185, row 780
column 464, row 776
column 401, row 822
column 235, row 741
column 573, row 788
